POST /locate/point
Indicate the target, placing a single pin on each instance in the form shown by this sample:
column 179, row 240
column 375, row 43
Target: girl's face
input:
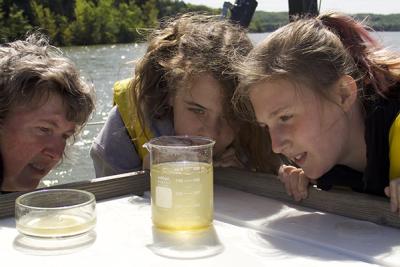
column 199, row 111
column 33, row 142
column 308, row 129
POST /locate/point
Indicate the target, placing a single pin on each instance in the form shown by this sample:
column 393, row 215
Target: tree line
column 87, row 22
column 270, row 21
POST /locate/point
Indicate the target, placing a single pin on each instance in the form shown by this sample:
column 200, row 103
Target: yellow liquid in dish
column 55, row 225
column 182, row 195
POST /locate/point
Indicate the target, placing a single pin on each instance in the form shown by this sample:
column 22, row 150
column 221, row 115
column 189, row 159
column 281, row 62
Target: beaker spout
column 147, row 146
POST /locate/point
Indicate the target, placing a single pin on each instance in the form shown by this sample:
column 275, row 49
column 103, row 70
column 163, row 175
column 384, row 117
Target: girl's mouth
column 300, row 158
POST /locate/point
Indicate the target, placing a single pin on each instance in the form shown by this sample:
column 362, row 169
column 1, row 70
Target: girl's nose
column 214, row 128
column 278, row 141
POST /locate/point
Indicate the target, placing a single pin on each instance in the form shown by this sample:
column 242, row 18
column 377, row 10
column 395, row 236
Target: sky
column 346, row 6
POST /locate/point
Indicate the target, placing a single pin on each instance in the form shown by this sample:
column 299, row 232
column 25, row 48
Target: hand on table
column 393, row 191
column 295, row 181
column 228, row 159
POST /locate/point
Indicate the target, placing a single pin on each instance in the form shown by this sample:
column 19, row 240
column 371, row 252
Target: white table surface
column 253, row 231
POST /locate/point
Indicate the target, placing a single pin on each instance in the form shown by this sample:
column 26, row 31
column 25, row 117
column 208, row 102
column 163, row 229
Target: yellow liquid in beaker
column 182, row 195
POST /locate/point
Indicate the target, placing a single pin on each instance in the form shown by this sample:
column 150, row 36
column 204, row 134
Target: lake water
column 103, row 65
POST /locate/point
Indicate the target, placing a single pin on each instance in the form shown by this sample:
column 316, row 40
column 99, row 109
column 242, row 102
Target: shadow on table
column 242, row 206
column 7, row 223
column 53, row 246
column 303, row 231
column 318, row 235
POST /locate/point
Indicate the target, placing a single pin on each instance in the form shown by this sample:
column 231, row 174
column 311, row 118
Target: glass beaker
column 181, row 174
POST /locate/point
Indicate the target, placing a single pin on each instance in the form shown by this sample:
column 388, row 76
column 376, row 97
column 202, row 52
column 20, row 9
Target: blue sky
column 346, row 6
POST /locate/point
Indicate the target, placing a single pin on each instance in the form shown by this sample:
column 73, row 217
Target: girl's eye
column 285, row 118
column 197, row 111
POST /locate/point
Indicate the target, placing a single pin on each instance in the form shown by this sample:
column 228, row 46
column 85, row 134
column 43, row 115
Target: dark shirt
column 380, row 114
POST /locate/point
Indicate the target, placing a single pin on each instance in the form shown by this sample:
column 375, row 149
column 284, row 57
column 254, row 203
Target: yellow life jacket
column 394, row 149
column 130, row 118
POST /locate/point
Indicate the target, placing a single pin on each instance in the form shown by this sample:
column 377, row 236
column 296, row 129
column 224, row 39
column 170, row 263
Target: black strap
column 341, row 175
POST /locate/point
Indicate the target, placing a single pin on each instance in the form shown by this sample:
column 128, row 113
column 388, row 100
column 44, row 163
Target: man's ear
column 345, row 92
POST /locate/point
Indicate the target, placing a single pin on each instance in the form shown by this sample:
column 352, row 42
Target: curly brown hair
column 182, row 48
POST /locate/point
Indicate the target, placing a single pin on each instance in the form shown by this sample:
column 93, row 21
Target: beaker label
column 164, row 197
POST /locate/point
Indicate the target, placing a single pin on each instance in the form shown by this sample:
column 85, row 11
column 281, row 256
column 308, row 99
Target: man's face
column 32, row 142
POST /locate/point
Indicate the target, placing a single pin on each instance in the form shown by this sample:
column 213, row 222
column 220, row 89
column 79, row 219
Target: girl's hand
column 228, row 159
column 295, row 181
column 393, row 191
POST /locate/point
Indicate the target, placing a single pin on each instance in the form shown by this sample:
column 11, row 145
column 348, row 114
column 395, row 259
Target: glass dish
column 55, row 213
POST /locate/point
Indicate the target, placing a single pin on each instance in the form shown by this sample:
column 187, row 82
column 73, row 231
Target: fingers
column 284, row 171
column 387, row 191
column 288, row 186
column 394, row 195
column 224, row 163
column 298, row 184
column 295, row 181
column 303, row 185
column 228, row 159
column 281, row 171
column 284, row 176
